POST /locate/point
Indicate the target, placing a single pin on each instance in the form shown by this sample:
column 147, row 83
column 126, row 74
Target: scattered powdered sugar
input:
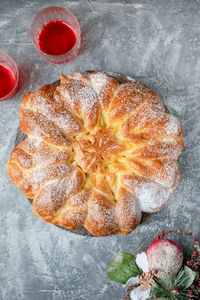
column 46, row 105
column 129, row 211
column 87, row 98
column 147, row 116
column 80, row 95
column 131, row 98
column 67, row 122
column 100, row 212
column 158, row 149
column 40, row 127
column 36, row 142
column 51, row 197
column 44, row 174
column 99, row 81
column 79, row 199
column 49, row 157
column 126, row 100
column 151, row 196
column 156, row 122
column 172, row 126
column 56, row 192
column 82, row 100
column 77, row 76
column 167, row 174
column 41, row 153
column 77, row 216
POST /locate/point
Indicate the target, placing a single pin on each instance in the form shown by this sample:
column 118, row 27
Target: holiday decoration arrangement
column 163, row 271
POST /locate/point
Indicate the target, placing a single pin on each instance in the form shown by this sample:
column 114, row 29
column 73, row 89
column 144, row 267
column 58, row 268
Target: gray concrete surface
column 157, row 42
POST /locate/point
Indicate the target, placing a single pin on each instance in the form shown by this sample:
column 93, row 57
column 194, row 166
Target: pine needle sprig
column 172, row 288
column 162, row 288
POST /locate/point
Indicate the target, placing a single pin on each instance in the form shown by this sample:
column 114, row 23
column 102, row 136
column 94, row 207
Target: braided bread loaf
column 98, row 153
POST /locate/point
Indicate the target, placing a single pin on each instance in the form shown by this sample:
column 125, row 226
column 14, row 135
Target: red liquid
column 6, row 81
column 56, row 38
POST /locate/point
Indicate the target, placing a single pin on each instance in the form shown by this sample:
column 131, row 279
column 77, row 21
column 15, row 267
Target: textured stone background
column 157, row 42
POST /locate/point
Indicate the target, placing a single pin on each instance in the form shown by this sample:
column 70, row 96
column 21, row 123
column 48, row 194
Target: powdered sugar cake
column 102, row 150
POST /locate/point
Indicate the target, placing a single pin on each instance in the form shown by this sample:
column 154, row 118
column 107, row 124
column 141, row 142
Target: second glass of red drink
column 55, row 33
column 9, row 76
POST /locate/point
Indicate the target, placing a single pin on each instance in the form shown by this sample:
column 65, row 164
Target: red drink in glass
column 56, row 38
column 6, row 82
column 55, row 33
column 9, row 76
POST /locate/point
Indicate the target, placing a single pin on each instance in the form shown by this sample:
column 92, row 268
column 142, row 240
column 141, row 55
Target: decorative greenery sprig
column 192, row 261
column 173, row 288
column 185, row 285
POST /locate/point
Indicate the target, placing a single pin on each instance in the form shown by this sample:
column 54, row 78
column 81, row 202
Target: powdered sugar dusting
column 82, row 100
column 151, row 196
column 43, row 101
column 87, row 98
column 56, row 192
column 98, row 211
column 99, row 81
column 172, row 126
column 167, row 174
column 158, row 149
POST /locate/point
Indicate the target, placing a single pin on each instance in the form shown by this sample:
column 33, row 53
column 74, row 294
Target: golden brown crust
column 98, row 153
column 104, row 86
column 101, row 219
column 128, row 211
column 82, row 101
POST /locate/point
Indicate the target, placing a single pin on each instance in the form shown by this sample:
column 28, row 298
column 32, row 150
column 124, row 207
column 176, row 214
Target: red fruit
column 165, row 256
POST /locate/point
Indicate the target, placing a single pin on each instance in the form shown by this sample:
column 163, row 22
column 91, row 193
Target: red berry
column 155, row 272
column 195, row 253
column 176, row 287
column 190, row 293
column 162, row 233
column 157, row 237
column 169, row 231
column 155, row 297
